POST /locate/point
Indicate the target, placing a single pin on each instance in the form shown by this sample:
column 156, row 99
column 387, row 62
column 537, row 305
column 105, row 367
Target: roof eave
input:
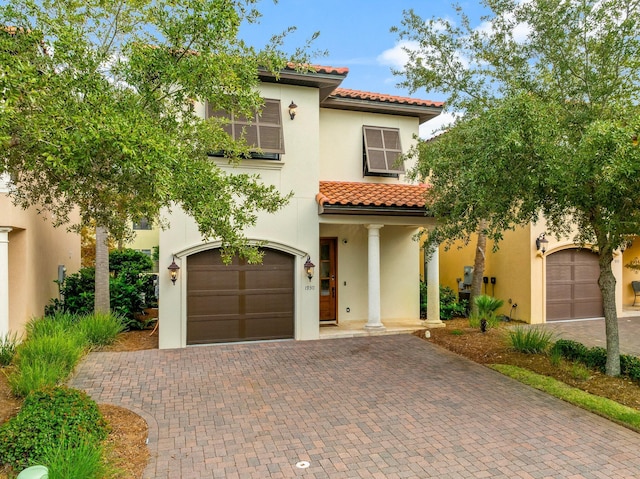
column 423, row 113
column 414, row 211
column 325, row 82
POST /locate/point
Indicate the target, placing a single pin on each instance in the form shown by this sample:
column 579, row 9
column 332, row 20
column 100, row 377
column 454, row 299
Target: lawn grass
column 604, row 407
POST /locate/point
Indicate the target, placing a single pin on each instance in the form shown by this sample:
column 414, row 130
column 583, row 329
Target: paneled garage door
column 240, row 301
column 572, row 285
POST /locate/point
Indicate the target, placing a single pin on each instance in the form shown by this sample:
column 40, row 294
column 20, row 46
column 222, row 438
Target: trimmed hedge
column 596, row 358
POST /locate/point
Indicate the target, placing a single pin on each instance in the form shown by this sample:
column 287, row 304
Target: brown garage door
column 240, row 301
column 572, row 285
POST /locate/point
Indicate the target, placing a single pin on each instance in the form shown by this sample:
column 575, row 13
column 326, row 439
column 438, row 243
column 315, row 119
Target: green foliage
column 130, row 289
column 66, row 460
column 579, row 372
column 543, row 102
column 123, row 153
column 46, row 360
column 100, row 329
column 129, row 262
column 8, row 345
column 595, row 358
column 530, row 340
column 450, row 306
column 52, row 325
column 485, row 315
column 47, row 417
column 78, row 292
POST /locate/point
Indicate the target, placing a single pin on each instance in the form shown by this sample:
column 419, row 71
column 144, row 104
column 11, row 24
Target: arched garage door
column 572, row 285
column 239, row 301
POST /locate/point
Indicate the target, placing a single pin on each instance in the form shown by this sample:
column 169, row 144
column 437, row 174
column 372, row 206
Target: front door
column 328, row 294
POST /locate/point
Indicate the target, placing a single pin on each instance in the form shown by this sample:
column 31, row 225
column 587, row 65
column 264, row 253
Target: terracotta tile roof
column 365, row 95
column 371, row 194
column 322, row 69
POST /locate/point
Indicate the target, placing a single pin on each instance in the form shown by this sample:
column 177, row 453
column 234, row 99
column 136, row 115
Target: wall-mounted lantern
column 173, row 271
column 293, row 109
column 308, row 267
column 542, row 242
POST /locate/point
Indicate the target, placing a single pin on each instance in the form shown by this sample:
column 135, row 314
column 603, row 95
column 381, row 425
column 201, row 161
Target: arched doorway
column 239, row 301
column 572, row 285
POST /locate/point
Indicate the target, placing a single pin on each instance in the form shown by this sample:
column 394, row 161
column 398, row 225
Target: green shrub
column 596, row 358
column 100, row 329
column 46, row 360
column 530, row 340
column 571, row 350
column 130, row 290
column 46, row 417
column 59, row 322
column 74, row 461
column 8, row 345
column 579, row 372
column 485, row 316
column 630, row 367
column 33, row 376
column 450, row 306
column 78, row 291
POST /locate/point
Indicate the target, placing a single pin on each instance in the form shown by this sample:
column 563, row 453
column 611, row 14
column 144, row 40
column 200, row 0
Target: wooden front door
column 328, row 280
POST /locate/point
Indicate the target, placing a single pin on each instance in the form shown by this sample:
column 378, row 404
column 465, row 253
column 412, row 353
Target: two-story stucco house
column 353, row 215
column 32, row 255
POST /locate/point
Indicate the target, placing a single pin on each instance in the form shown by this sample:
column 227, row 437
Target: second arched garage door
column 572, row 285
column 239, row 301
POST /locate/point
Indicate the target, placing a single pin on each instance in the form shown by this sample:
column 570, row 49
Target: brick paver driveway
column 377, row 407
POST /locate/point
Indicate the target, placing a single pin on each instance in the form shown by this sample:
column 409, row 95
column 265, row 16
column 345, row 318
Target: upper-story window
column 143, row 224
column 382, row 151
column 263, row 131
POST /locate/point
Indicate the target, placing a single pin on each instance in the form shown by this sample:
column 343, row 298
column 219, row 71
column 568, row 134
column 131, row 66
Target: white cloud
column 397, row 57
column 435, row 126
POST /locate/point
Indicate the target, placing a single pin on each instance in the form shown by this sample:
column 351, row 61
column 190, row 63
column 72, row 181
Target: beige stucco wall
column 520, row 270
column 399, row 272
column 36, row 249
column 341, row 152
column 293, row 229
column 631, row 255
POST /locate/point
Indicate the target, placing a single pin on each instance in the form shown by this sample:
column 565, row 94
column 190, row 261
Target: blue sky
column 356, row 35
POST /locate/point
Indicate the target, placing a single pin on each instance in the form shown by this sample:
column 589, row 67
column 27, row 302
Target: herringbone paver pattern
column 376, row 407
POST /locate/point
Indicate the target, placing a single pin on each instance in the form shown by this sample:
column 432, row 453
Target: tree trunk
column 102, row 300
column 607, row 283
column 478, row 265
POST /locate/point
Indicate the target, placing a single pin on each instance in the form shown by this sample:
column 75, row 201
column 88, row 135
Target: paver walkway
column 377, row 407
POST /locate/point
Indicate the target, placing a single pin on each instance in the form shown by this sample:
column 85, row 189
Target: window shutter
column 382, row 149
column 263, row 131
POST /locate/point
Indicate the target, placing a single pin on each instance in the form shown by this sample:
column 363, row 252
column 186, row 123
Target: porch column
column 433, row 290
column 374, row 322
column 4, row 280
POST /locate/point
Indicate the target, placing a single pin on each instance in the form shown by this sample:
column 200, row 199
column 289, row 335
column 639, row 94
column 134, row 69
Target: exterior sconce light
column 173, row 271
column 308, row 267
column 293, row 109
column 541, row 242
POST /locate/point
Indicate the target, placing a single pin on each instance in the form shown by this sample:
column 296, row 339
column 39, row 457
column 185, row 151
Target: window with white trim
column 263, row 131
column 143, row 224
column 382, row 151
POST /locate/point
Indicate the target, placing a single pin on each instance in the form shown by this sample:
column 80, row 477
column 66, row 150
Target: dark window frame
column 264, row 131
column 143, row 224
column 381, row 150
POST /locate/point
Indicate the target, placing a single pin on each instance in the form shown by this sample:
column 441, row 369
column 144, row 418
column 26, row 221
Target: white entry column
column 4, row 280
column 373, row 321
column 433, row 290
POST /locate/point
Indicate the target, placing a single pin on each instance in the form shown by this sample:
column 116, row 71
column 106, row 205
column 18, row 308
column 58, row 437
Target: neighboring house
column 32, row 255
column 560, row 283
column 353, row 214
column 147, row 238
